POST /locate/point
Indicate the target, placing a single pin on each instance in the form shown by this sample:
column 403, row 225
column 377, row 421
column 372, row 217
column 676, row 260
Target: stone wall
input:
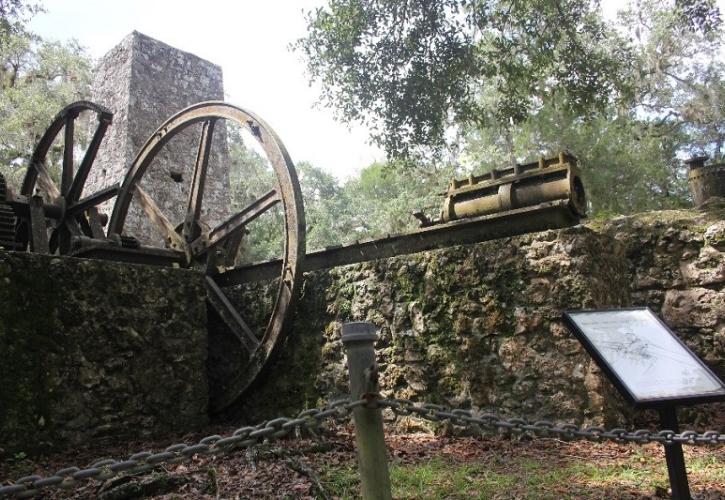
column 676, row 265
column 93, row 349
column 144, row 82
column 479, row 326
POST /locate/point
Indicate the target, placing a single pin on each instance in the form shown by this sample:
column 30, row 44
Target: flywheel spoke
column 237, row 222
column 76, row 188
column 66, row 178
column 230, row 316
column 45, row 182
column 93, row 200
column 65, row 232
column 191, row 228
column 60, row 238
column 159, row 220
column 65, row 212
column 204, row 247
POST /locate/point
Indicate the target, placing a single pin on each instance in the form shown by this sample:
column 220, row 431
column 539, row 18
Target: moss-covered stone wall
column 93, row 349
column 480, row 325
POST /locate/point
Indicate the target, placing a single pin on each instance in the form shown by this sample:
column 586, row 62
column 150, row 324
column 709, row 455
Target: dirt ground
column 422, row 464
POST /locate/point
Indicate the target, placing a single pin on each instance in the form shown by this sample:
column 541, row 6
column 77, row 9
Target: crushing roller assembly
column 49, row 215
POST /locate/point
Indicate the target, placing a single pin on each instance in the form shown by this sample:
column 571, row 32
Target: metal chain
column 469, row 420
column 243, row 437
column 246, row 437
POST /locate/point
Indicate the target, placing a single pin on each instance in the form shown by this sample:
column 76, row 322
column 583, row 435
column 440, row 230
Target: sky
column 249, row 40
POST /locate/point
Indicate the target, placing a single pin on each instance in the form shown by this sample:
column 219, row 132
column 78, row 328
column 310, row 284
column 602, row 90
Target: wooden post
column 358, row 339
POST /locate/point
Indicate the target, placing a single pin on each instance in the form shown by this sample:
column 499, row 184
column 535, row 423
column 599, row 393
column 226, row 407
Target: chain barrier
column 544, row 428
column 243, row 437
column 246, row 437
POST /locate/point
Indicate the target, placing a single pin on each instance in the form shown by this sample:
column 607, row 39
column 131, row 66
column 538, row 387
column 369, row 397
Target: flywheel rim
column 290, row 196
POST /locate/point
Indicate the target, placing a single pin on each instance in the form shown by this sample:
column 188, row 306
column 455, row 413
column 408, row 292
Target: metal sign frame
column 621, row 384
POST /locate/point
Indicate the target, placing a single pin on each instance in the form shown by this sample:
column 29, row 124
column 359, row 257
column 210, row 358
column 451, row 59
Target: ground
column 422, row 465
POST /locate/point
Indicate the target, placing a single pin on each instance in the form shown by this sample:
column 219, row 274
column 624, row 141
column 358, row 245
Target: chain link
column 245, row 437
column 487, row 421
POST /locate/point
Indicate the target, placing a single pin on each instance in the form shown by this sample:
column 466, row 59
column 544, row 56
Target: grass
column 634, row 474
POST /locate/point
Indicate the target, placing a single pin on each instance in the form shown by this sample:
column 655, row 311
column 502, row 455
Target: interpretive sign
column 649, row 365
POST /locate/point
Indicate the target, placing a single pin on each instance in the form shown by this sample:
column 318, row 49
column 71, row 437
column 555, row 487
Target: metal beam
column 550, row 215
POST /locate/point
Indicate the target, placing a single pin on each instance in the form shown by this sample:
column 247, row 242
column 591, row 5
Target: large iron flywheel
column 212, row 248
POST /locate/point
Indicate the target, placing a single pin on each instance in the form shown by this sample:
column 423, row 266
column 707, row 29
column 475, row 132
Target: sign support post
column 674, row 456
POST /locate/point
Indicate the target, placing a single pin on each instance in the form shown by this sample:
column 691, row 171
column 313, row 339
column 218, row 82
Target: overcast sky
column 250, row 40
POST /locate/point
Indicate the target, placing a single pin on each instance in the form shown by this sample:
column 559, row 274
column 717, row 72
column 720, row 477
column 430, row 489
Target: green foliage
column 250, row 176
column 326, row 207
column 679, row 77
column 407, row 69
column 37, row 79
column 380, row 201
column 699, row 15
column 385, row 195
column 517, row 80
column 326, row 204
column 624, row 168
column 14, row 14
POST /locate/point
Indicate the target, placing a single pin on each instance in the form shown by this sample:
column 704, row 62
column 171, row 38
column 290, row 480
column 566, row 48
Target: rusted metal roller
column 521, row 186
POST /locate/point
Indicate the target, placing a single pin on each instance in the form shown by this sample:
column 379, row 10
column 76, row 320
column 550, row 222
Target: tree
column 410, row 69
column 679, row 77
column 14, row 14
column 632, row 152
column 250, row 175
column 327, row 207
column 384, row 197
column 37, row 79
column 699, row 15
column 380, row 201
column 516, row 80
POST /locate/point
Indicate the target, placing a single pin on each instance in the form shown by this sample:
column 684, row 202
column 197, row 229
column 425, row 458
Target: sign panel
column 643, row 358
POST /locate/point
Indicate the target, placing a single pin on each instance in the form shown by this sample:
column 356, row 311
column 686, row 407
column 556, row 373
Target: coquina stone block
column 93, row 350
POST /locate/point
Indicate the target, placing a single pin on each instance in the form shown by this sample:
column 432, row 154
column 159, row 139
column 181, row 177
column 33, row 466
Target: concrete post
column 358, row 339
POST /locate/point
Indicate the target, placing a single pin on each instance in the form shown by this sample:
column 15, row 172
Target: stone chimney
column 144, row 82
